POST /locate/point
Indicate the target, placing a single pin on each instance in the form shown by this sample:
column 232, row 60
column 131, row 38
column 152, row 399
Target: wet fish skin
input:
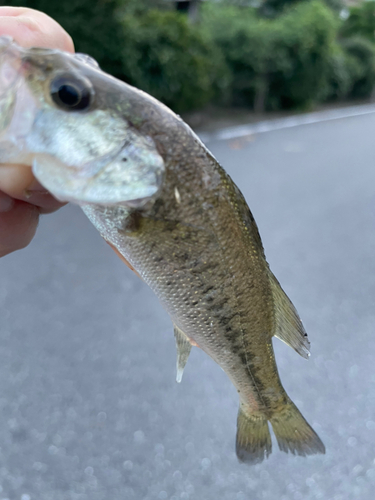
column 192, row 239
column 205, row 261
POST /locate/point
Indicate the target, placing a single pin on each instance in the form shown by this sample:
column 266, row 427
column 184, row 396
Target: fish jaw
column 131, row 175
column 91, row 156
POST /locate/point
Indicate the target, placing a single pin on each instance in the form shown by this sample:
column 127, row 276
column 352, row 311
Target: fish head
column 64, row 116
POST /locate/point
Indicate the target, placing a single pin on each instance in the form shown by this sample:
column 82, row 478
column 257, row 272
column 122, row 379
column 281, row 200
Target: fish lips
column 130, row 176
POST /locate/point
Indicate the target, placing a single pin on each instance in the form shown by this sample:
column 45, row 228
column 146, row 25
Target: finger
column 31, row 28
column 17, row 226
column 14, row 179
column 18, row 181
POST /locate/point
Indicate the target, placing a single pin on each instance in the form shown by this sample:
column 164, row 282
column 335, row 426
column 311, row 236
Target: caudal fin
column 253, row 442
column 293, row 433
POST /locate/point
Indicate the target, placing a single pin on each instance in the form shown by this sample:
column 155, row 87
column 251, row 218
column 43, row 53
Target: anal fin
column 183, row 345
column 289, row 327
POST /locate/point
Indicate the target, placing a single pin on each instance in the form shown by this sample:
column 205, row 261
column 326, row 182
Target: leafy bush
column 272, row 8
column 361, row 21
column 155, row 50
column 93, row 26
column 340, row 80
column 358, row 47
column 352, row 70
column 278, row 63
column 172, row 60
column 236, row 54
column 361, row 58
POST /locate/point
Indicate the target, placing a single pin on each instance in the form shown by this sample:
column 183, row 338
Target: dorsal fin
column 183, row 346
column 289, row 327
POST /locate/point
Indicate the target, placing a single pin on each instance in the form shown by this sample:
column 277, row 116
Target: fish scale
column 162, row 201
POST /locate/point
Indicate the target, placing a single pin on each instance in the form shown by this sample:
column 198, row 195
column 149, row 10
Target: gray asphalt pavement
column 89, row 406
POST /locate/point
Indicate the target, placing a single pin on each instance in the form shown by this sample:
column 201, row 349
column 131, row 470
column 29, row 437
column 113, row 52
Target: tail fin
column 293, row 433
column 253, row 442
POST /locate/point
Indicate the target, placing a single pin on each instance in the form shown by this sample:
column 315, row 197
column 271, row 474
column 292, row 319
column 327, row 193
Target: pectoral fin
column 289, row 327
column 183, row 345
column 122, row 258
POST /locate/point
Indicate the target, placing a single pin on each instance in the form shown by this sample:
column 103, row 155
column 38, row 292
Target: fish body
column 163, row 202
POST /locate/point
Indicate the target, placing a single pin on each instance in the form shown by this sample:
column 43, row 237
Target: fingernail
column 35, row 188
column 6, row 202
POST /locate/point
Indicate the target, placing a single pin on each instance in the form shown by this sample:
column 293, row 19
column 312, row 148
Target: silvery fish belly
column 162, row 201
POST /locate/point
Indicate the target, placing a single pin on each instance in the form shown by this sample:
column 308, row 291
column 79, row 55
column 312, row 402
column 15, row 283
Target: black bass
column 162, row 201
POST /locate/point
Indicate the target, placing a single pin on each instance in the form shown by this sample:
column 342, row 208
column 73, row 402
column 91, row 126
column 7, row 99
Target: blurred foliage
column 277, row 63
column 173, row 60
column 145, row 43
column 340, row 79
column 361, row 21
column 93, row 26
column 273, row 8
column 265, row 54
column 360, row 57
column 353, row 68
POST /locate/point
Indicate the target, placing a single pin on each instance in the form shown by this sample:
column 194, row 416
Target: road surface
column 89, row 406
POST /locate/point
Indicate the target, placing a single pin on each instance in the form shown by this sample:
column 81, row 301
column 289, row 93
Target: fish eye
column 71, row 93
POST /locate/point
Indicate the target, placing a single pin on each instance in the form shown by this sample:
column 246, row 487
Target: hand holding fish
column 22, row 198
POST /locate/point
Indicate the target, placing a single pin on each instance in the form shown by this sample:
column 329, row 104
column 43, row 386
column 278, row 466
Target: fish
column 162, row 201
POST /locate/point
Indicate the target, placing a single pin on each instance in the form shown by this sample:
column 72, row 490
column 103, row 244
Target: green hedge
column 92, row 24
column 172, row 59
column 361, row 21
column 278, row 63
column 340, row 80
column 361, row 63
column 234, row 55
column 155, row 50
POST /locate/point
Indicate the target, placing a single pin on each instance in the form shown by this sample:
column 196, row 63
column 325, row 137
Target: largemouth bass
column 162, row 201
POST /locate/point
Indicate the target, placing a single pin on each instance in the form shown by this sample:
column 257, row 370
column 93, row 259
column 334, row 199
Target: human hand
column 22, row 198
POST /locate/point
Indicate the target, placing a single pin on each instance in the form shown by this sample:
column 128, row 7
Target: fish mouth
column 93, row 157
column 106, row 187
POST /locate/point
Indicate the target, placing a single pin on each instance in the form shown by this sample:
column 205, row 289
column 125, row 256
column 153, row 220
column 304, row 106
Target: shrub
column 361, row 21
column 92, row 24
column 155, row 50
column 171, row 59
column 340, row 80
column 278, row 63
column 352, row 71
column 272, row 8
column 361, row 64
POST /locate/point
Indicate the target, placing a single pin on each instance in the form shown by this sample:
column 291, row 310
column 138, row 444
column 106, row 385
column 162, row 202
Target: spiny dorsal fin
column 183, row 346
column 289, row 327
